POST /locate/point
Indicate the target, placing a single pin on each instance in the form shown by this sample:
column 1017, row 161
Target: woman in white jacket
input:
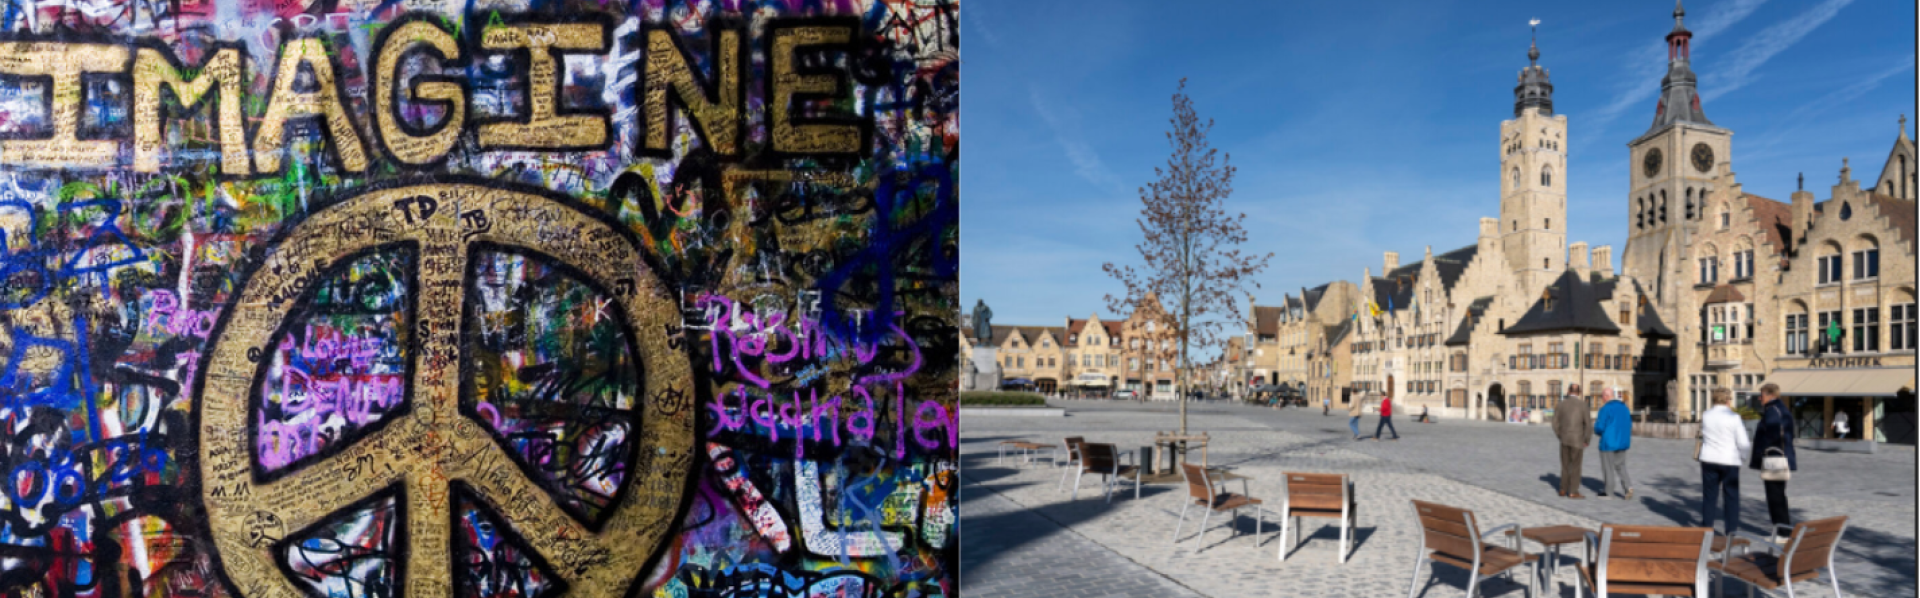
column 1723, row 447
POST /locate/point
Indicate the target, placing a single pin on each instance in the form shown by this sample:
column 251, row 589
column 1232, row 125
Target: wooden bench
column 1452, row 536
column 1320, row 495
column 1073, row 459
column 1649, row 560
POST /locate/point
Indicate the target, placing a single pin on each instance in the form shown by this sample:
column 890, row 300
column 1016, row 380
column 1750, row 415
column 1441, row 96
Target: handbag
column 1774, row 468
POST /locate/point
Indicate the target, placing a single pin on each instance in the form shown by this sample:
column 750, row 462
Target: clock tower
column 1533, row 175
column 1673, row 167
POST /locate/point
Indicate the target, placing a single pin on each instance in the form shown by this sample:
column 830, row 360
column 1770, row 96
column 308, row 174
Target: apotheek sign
column 1845, row 362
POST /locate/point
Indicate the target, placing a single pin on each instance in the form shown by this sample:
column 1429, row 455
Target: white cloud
column 1644, row 65
column 1763, row 46
column 1066, row 131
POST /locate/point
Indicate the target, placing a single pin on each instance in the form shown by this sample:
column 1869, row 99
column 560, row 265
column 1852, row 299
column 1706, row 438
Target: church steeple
column 1534, row 89
column 1679, row 91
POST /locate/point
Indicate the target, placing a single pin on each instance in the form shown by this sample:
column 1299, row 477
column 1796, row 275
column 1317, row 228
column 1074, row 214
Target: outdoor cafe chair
column 1452, row 536
column 1648, row 560
column 1321, row 495
column 1073, row 459
column 1104, row 460
column 1200, row 493
column 1807, row 551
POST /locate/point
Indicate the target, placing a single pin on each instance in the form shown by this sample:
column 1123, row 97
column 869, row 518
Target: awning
column 1016, row 382
column 1861, row 382
column 1100, row 382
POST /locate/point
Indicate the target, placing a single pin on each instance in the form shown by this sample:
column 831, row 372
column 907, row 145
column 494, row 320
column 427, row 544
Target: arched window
column 1546, row 176
column 1689, row 203
column 1903, row 177
column 1640, row 213
column 1663, row 206
column 1516, row 178
column 1846, row 210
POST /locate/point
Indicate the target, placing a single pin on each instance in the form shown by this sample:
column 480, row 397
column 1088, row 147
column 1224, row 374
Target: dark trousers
column 1571, row 458
column 1777, row 507
column 1720, row 489
column 1386, row 421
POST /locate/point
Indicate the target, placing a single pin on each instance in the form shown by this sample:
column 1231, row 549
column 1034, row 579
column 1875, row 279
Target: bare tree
column 1192, row 265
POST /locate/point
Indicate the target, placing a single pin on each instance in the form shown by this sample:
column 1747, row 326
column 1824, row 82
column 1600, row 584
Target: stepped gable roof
column 1293, row 301
column 1310, row 298
column 1575, row 307
column 1475, row 311
column 1266, row 319
column 1899, row 212
column 1452, row 264
column 1775, row 218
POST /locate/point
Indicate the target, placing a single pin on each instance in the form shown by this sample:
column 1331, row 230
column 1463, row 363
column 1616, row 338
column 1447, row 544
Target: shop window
column 1830, row 334
column 1900, row 334
column 1866, row 329
column 1796, row 334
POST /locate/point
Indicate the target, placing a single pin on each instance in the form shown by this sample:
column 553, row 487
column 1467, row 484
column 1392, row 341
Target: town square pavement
column 1022, row 536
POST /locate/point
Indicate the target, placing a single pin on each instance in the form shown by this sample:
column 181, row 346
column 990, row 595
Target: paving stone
column 1505, row 473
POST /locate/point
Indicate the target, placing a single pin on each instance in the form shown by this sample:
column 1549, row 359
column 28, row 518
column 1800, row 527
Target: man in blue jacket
column 1775, row 432
column 1615, row 427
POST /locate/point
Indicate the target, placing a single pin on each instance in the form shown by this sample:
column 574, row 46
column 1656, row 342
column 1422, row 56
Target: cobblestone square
column 1022, row 536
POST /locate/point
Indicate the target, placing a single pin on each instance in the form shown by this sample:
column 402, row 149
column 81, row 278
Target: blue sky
column 1366, row 127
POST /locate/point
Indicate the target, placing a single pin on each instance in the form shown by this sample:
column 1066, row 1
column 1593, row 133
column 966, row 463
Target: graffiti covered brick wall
column 513, row 298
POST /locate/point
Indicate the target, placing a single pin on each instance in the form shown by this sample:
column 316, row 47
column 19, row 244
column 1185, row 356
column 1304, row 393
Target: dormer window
column 1546, row 298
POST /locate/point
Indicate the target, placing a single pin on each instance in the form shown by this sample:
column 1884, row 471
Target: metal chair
column 1808, row 550
column 1073, row 459
column 1200, row 493
column 1452, row 536
column 1323, row 495
column 1648, row 560
column 1104, row 460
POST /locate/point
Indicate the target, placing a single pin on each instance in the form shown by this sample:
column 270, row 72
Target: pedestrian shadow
column 1594, row 486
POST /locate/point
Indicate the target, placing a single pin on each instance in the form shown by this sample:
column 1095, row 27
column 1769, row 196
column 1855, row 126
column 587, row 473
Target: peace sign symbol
column 582, row 482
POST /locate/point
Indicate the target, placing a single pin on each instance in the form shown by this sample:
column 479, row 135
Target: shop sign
column 1844, row 362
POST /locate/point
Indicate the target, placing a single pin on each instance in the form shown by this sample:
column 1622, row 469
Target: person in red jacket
column 1386, row 418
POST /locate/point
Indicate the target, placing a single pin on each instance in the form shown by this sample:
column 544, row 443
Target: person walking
column 1353, row 415
column 1574, row 425
column 1386, row 418
column 1723, row 439
column 1615, row 427
column 1326, row 406
column 1775, row 432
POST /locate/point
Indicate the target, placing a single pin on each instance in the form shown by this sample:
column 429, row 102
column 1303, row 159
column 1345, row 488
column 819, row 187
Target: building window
column 1020, row 362
column 1709, row 270
column 1743, row 264
column 1866, row 263
column 1725, row 220
column 1902, row 330
column 1829, row 268
column 1866, row 329
column 1830, row 332
column 1797, row 334
column 1546, row 176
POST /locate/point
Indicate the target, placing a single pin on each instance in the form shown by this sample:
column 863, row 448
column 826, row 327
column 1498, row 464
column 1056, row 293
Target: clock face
column 1702, row 157
column 1651, row 164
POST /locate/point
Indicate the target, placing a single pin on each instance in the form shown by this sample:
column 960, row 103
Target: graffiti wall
column 478, row 298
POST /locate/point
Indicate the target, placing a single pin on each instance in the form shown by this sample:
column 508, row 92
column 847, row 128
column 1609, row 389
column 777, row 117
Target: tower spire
column 1679, row 92
column 1534, row 89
